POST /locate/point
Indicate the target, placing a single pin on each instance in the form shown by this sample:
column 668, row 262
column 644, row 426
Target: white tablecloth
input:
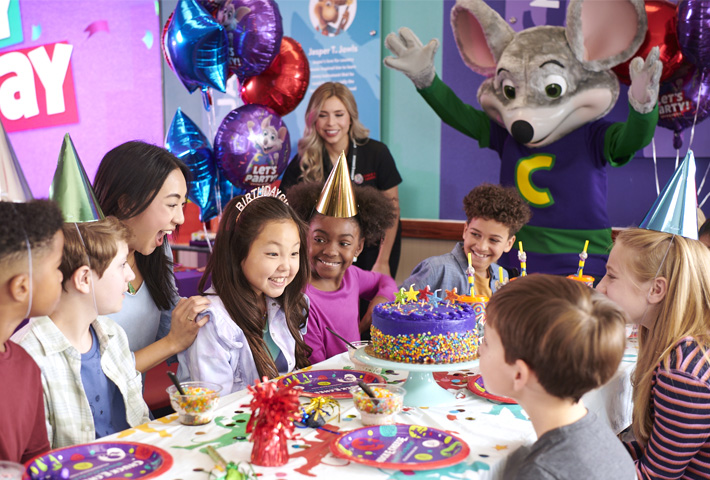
column 491, row 430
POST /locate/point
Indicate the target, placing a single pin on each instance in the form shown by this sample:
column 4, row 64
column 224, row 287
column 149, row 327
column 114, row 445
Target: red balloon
column 282, row 85
column 662, row 24
column 163, row 39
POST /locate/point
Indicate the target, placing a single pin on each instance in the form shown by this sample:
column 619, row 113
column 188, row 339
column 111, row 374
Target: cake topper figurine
column 522, row 258
column 337, row 198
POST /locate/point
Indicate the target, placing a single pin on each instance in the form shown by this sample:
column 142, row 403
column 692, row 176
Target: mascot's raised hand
column 542, row 107
column 413, row 59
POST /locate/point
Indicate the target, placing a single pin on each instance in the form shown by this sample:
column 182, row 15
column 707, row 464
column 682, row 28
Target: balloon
column 282, row 85
column 252, row 146
column 254, row 30
column 226, row 189
column 197, row 46
column 187, row 142
column 211, row 6
column 71, row 188
column 164, row 42
column 679, row 100
column 661, row 32
column 694, row 31
column 13, row 184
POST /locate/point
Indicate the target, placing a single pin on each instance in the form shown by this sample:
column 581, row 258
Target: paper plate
column 401, row 447
column 100, row 460
column 329, row 383
column 475, row 385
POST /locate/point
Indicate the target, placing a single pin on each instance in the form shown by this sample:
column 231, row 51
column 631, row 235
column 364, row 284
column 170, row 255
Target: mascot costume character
column 547, row 89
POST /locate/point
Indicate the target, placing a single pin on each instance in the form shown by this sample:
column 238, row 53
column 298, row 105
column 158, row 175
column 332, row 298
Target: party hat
column 337, row 198
column 13, row 185
column 71, row 188
column 675, row 208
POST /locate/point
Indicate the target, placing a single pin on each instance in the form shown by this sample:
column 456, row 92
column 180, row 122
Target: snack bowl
column 196, row 406
column 382, row 409
column 351, row 353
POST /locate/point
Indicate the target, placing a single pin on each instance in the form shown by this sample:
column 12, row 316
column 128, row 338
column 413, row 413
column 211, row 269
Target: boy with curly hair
column 494, row 215
column 31, row 242
column 336, row 286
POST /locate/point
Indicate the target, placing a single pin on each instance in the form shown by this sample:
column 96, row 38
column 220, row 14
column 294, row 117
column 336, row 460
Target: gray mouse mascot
column 547, row 91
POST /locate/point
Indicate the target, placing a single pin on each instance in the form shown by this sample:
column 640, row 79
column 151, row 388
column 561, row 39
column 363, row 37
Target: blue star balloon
column 197, row 47
column 675, row 209
column 187, row 142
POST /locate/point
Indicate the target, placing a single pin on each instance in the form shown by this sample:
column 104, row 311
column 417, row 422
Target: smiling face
column 111, row 287
column 332, row 245
column 486, row 240
column 273, row 259
column 47, row 277
column 333, row 123
column 626, row 291
column 161, row 217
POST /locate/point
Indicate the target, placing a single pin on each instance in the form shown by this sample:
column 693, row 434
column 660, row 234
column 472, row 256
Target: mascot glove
column 412, row 58
column 645, row 77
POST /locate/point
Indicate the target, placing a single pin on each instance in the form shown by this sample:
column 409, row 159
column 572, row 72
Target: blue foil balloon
column 675, row 209
column 197, row 46
column 226, row 189
column 185, row 140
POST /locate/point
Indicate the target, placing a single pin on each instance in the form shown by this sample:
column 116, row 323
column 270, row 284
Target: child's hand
column 184, row 322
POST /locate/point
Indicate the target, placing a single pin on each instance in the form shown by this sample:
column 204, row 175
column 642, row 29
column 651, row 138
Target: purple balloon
column 254, row 30
column 694, row 31
column 680, row 99
column 252, row 146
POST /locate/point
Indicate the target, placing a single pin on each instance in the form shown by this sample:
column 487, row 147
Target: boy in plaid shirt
column 91, row 386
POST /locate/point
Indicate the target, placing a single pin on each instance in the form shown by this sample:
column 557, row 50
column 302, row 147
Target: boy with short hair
column 91, row 386
column 494, row 215
column 35, row 225
column 549, row 340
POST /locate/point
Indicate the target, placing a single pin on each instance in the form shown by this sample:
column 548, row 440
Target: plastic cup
column 585, row 279
column 198, row 403
column 351, row 353
column 11, row 470
column 382, row 410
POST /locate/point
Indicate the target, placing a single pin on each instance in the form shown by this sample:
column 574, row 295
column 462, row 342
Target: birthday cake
column 421, row 332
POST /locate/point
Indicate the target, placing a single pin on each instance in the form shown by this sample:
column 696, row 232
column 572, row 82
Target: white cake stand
column 422, row 389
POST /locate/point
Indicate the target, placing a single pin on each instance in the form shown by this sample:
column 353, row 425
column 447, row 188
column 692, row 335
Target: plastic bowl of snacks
column 382, row 409
column 196, row 406
column 351, row 353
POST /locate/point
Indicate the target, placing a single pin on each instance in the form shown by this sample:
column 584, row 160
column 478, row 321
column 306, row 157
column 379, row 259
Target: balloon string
column 704, row 200
column 702, row 182
column 655, row 165
column 697, row 109
column 207, row 236
column 677, row 157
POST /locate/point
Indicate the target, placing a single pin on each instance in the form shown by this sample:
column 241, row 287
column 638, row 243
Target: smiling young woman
column 146, row 187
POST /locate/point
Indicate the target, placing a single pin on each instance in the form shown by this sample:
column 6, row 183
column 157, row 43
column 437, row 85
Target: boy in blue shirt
column 494, row 215
column 91, row 386
column 30, row 284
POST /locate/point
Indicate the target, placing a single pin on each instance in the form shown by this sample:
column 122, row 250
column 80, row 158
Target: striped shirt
column 679, row 445
column 68, row 412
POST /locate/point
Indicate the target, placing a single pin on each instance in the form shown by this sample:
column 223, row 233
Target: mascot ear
column 481, row 35
column 605, row 33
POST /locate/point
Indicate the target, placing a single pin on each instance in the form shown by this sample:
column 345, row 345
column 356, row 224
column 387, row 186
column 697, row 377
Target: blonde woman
column 332, row 127
column 663, row 283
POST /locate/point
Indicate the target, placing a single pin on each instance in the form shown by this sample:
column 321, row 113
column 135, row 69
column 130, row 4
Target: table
column 491, row 430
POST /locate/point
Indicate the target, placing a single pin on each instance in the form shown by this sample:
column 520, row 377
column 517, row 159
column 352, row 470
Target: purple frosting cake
column 425, row 333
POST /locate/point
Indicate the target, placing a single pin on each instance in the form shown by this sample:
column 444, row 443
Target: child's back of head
column 570, row 336
column 495, row 202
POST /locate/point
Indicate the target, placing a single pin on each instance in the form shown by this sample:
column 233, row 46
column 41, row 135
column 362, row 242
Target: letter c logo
column 537, row 197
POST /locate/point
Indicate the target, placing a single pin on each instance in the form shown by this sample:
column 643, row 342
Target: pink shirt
column 339, row 310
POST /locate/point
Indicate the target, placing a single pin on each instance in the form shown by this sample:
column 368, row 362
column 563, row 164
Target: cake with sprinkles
column 421, row 332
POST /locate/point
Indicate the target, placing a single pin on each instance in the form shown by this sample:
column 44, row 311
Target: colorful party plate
column 329, row 383
column 475, row 385
column 401, row 447
column 100, row 460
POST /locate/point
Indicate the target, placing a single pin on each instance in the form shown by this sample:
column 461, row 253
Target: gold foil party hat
column 337, row 198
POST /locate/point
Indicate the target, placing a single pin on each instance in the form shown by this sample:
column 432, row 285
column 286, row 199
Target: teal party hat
column 675, row 209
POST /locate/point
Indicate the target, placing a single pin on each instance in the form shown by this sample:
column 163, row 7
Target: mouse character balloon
column 547, row 90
